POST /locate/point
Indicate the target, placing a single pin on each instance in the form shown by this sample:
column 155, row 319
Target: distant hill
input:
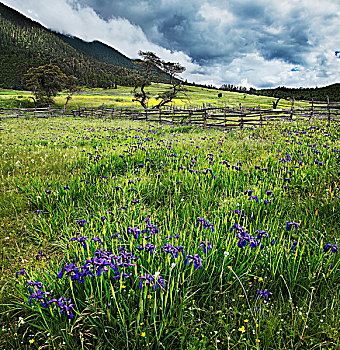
column 318, row 93
column 25, row 43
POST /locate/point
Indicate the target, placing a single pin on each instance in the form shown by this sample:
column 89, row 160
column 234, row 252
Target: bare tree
column 275, row 103
column 152, row 65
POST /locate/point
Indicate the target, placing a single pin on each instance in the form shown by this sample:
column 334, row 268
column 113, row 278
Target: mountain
column 105, row 53
column 98, row 51
column 25, row 43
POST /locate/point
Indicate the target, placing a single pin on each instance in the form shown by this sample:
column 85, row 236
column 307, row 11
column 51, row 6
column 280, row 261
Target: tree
column 45, row 82
column 152, row 63
column 71, row 87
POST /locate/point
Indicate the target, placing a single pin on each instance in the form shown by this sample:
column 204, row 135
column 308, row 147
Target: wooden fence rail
column 205, row 116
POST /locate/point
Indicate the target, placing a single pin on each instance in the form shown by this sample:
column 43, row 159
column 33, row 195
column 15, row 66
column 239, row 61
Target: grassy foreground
column 122, row 235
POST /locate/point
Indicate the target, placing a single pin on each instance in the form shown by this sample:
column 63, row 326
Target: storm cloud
column 260, row 43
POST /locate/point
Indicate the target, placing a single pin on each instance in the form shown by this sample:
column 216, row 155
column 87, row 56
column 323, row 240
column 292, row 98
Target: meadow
column 194, row 96
column 128, row 235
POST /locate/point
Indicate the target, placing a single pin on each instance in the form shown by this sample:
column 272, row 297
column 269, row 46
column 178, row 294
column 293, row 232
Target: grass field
column 122, row 235
column 122, row 96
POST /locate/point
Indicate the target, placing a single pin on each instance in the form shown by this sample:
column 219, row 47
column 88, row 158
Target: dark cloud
column 190, row 27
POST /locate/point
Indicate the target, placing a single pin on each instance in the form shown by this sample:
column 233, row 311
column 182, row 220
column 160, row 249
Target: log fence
column 205, row 116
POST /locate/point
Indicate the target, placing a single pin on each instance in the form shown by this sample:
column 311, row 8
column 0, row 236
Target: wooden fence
column 217, row 117
column 205, row 116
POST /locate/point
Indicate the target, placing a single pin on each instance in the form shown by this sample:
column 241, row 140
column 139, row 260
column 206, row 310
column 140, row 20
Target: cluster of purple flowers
column 244, row 237
column 174, row 251
column 100, row 263
column 37, row 293
column 154, row 281
column 332, row 247
column 204, row 223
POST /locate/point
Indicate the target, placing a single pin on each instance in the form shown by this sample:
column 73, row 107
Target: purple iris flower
column 97, row 239
column 150, row 279
column 82, row 222
column 260, row 234
column 98, row 265
column 121, row 275
column 150, row 248
column 205, row 223
column 206, row 245
column 64, row 306
column 167, row 248
column 38, row 295
column 72, row 271
column 263, row 293
column 254, row 197
column 293, row 248
column 333, row 247
column 22, row 272
column 81, row 239
column 238, row 228
column 134, row 231
column 195, row 259
column 291, row 224
column 34, row 283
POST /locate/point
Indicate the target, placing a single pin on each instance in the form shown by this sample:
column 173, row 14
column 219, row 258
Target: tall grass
column 165, row 238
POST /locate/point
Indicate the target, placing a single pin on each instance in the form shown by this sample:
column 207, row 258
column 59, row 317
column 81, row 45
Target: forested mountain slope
column 25, row 43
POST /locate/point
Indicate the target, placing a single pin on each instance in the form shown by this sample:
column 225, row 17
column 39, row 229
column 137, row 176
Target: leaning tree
column 151, row 67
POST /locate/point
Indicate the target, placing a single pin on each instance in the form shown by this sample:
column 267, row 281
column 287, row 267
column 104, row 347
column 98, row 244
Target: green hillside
column 318, row 93
column 98, row 51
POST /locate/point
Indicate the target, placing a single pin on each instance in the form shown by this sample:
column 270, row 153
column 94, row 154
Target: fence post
column 205, row 119
column 261, row 120
column 103, row 111
column 328, row 112
column 160, row 115
column 292, row 109
column 312, row 112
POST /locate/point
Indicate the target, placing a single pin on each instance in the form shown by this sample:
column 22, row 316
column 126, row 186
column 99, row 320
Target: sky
column 253, row 43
